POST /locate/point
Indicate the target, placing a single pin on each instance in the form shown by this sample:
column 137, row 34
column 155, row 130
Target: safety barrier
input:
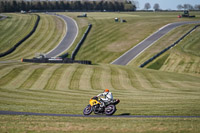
column 21, row 41
column 81, row 42
column 58, row 60
column 163, row 51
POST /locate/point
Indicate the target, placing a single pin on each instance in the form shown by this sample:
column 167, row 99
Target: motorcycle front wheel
column 110, row 110
column 87, row 110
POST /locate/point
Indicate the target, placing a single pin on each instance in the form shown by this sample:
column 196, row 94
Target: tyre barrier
column 81, row 42
column 21, row 41
column 56, row 60
column 163, row 51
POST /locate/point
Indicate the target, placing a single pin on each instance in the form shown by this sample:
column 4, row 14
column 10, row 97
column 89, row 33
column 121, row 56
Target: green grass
column 99, row 125
column 67, row 88
column 108, row 40
column 159, row 63
column 14, row 28
column 63, row 88
column 184, row 58
column 49, row 33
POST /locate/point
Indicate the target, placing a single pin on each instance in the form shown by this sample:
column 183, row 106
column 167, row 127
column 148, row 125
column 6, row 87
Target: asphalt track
column 69, row 38
column 72, row 115
column 139, row 48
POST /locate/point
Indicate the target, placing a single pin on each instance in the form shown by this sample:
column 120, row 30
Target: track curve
column 73, row 115
column 140, row 47
column 69, row 38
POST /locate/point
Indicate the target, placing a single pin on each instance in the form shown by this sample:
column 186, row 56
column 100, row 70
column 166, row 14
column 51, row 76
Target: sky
column 167, row 4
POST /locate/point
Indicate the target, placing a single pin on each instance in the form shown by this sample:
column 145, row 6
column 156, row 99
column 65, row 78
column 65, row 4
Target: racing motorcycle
column 97, row 106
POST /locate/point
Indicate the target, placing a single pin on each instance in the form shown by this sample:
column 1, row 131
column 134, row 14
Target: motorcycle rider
column 108, row 97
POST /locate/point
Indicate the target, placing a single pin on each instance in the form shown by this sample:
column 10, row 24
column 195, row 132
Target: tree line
column 156, row 7
column 188, row 7
column 16, row 6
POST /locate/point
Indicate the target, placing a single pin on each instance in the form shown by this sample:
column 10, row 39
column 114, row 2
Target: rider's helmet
column 106, row 90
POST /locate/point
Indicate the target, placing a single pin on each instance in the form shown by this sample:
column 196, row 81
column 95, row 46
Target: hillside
column 50, row 31
column 55, row 88
column 14, row 28
column 67, row 88
column 184, row 58
column 109, row 39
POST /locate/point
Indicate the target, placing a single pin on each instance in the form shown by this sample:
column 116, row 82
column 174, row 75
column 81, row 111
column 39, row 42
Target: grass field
column 56, row 88
column 108, row 39
column 184, row 57
column 85, row 125
column 50, row 31
column 14, row 28
column 67, row 88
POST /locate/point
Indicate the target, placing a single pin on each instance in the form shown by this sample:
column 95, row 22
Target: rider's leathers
column 108, row 96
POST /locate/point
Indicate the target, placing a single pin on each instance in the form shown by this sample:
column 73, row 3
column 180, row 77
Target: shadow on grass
column 123, row 114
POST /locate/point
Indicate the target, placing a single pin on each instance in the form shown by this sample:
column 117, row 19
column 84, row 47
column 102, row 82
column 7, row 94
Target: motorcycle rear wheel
column 110, row 109
column 87, row 110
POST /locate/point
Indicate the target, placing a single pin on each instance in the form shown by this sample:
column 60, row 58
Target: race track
column 69, row 38
column 139, row 48
column 73, row 115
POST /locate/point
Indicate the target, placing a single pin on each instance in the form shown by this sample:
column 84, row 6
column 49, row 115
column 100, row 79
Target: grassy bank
column 14, row 28
column 108, row 39
column 67, row 89
column 49, row 33
column 85, row 125
column 184, row 58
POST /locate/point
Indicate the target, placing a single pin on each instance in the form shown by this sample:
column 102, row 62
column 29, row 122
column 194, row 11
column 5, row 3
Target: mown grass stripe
column 41, row 82
column 85, row 79
column 106, row 78
column 10, row 30
column 133, row 79
column 20, row 79
column 125, row 81
column 145, row 84
column 52, row 82
column 96, row 78
column 65, row 79
column 32, row 43
column 75, row 79
column 115, row 80
column 32, row 78
column 21, row 29
column 10, row 76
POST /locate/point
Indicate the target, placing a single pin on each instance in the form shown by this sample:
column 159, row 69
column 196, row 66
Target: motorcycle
column 97, row 106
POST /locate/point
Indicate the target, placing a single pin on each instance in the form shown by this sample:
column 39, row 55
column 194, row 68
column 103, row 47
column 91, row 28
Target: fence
column 49, row 60
column 81, row 42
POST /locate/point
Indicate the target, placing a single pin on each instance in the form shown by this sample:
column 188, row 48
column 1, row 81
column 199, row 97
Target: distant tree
column 147, row 6
column 128, row 6
column 15, row 6
column 2, row 7
column 156, row 7
column 100, row 6
column 111, row 6
column 135, row 3
column 188, row 7
column 179, row 7
column 38, row 5
column 62, row 5
column 197, row 7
